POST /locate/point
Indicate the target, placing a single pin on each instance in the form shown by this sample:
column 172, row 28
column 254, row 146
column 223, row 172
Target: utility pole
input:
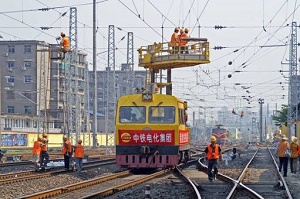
column 261, row 102
column 95, row 76
column 294, row 81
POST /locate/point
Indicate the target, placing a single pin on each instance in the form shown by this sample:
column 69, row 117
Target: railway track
column 30, row 175
column 97, row 187
column 108, row 185
column 259, row 179
column 27, row 162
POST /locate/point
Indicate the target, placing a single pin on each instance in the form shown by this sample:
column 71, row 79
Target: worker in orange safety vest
column 175, row 41
column 79, row 154
column 67, row 152
column 36, row 152
column 183, row 47
column 44, row 158
column 213, row 153
column 65, row 44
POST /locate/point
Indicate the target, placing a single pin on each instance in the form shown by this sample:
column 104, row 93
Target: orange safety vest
column 67, row 147
column 299, row 149
column 36, row 150
column 211, row 155
column 79, row 151
column 283, row 145
column 175, row 39
column 66, row 43
column 294, row 150
column 183, row 42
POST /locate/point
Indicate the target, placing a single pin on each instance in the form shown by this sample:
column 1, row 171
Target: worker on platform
column 64, row 44
column 79, row 154
column 44, row 153
column 175, row 41
column 294, row 155
column 36, row 152
column 283, row 159
column 67, row 152
column 213, row 153
column 183, row 47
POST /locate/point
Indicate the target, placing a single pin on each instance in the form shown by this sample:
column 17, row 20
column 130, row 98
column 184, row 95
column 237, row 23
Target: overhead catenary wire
column 213, row 64
column 49, row 8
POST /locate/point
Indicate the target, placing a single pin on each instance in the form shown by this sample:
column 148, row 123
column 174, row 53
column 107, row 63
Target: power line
column 49, row 8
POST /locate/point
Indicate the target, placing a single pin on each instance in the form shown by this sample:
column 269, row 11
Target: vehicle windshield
column 161, row 114
column 132, row 114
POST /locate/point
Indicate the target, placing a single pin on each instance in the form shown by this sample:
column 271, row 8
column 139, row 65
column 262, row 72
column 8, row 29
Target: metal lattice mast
column 73, row 108
column 42, row 90
column 73, row 29
column 130, row 63
column 110, row 86
column 69, row 98
column 294, row 81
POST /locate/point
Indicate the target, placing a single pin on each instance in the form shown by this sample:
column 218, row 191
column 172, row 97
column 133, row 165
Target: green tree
column 281, row 117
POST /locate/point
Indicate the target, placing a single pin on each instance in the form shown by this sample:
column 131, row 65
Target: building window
column 27, row 95
column 10, row 109
column 10, row 64
column 27, row 49
column 27, row 79
column 11, row 49
column 27, row 110
column 27, row 64
column 10, row 94
column 11, row 79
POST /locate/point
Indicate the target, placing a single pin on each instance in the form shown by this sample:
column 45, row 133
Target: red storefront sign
column 183, row 137
column 148, row 137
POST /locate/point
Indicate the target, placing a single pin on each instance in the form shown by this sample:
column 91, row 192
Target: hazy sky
column 256, row 37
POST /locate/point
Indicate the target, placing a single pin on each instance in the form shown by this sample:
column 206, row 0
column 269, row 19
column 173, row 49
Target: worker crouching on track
column 36, row 152
column 67, row 152
column 79, row 154
column 213, row 153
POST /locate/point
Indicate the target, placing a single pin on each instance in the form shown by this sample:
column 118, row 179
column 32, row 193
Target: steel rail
column 188, row 181
column 227, row 179
column 127, row 185
column 239, row 183
column 30, row 175
column 281, row 177
column 61, row 190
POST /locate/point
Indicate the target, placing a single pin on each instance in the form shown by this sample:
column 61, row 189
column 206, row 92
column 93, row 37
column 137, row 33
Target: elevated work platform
column 166, row 56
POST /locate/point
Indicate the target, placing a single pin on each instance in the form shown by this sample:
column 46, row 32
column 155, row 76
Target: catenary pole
column 95, row 76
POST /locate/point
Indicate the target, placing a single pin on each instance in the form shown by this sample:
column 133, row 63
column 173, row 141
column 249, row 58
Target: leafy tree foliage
column 281, row 116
